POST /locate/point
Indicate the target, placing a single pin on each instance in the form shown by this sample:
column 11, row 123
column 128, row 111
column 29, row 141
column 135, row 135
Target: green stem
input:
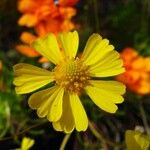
column 144, row 119
column 64, row 142
column 96, row 133
column 24, row 131
column 101, row 138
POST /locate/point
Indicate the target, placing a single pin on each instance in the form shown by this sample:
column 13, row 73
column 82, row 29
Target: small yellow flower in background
column 26, row 144
column 135, row 140
column 72, row 76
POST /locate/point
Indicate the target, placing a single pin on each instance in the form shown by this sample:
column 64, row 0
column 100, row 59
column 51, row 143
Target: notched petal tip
column 59, row 126
column 48, row 47
column 81, row 123
column 114, row 111
column 122, row 87
column 104, row 96
column 69, row 42
column 96, row 35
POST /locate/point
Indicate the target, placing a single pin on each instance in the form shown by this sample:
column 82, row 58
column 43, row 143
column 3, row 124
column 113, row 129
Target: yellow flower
column 26, row 144
column 71, row 77
column 135, row 140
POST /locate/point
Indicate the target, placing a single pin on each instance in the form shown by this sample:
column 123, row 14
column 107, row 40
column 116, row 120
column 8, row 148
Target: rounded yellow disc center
column 72, row 75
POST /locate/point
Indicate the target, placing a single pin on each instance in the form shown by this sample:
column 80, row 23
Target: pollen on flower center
column 72, row 75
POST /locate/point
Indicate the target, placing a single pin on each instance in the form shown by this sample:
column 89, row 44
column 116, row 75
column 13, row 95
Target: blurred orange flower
column 137, row 75
column 25, row 49
column 57, row 24
column 34, row 11
column 27, row 38
column 44, row 16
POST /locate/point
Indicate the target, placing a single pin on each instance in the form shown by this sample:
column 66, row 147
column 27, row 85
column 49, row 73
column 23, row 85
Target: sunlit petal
column 109, row 65
column 113, row 89
column 40, row 97
column 29, row 78
column 55, row 110
column 43, row 101
column 95, row 49
column 91, row 43
column 48, row 47
column 79, row 114
column 69, row 41
column 66, row 123
column 103, row 98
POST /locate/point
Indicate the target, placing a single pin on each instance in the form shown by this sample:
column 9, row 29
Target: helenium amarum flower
column 71, row 76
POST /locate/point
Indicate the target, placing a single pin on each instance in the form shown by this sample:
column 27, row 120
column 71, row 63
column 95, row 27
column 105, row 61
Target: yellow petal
column 55, row 110
column 102, row 99
column 57, row 126
column 95, row 49
column 109, row 65
column 42, row 111
column 40, row 97
column 27, row 143
column 97, row 52
column 79, row 114
column 90, row 45
column 112, row 86
column 112, row 89
column 69, row 41
column 109, row 57
column 48, row 47
column 29, row 78
column 45, row 106
column 66, row 122
column 27, row 68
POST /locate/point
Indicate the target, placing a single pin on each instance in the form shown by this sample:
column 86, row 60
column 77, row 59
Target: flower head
column 137, row 75
column 72, row 76
column 135, row 140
